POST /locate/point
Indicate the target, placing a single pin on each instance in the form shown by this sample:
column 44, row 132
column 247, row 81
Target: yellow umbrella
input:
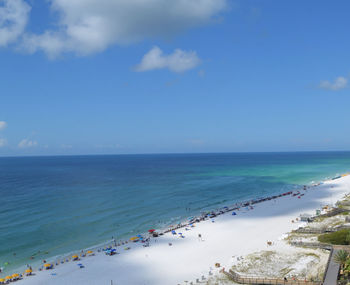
column 8, row 277
column 15, row 275
column 29, row 271
column 89, row 251
column 47, row 265
column 75, row 256
column 134, row 238
column 2, row 280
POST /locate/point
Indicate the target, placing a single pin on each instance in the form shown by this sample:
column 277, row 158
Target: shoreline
column 56, row 260
column 202, row 226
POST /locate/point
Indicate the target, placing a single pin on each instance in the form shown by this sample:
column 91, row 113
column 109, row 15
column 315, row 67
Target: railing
column 333, row 212
column 266, row 281
column 312, row 244
column 320, row 231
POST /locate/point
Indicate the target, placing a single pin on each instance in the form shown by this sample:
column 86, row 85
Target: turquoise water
column 56, row 205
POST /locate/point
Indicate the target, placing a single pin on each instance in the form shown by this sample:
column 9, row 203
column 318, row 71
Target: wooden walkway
column 320, row 231
column 332, row 270
column 312, row 244
column 266, row 281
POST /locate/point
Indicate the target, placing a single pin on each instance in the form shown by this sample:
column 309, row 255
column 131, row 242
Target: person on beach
column 199, row 237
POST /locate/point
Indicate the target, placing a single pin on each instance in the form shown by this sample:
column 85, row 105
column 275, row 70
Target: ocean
column 50, row 206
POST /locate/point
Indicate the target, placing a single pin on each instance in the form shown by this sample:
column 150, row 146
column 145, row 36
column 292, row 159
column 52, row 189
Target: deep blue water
column 59, row 204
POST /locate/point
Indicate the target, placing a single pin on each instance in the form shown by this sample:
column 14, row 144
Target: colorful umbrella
column 134, row 238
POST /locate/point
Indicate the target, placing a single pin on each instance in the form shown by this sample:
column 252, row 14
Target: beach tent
column 173, row 232
column 234, row 214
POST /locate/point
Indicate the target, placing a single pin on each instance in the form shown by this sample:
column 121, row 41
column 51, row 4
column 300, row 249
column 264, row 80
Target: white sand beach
column 190, row 258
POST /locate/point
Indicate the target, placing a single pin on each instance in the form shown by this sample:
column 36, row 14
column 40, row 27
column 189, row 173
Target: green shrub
column 341, row 237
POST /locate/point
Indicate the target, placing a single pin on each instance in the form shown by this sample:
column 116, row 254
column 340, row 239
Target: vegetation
column 341, row 237
column 341, row 257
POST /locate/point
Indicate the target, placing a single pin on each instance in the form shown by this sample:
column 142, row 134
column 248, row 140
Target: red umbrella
column 151, row 231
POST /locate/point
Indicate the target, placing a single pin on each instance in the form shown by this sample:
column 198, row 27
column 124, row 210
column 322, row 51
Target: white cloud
column 89, row 26
column 3, row 125
column 3, row 142
column 178, row 61
column 338, row 83
column 13, row 20
column 27, row 143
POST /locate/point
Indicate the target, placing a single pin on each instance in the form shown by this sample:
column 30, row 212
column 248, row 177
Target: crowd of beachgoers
column 113, row 246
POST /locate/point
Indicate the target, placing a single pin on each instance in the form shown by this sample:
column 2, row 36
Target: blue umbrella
column 234, row 214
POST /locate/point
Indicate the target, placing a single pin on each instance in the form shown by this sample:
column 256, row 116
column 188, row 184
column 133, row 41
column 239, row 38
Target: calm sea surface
column 56, row 205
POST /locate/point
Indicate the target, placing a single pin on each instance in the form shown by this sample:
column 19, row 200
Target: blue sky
column 115, row 76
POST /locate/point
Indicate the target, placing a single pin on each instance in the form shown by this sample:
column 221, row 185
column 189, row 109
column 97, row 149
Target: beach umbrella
column 29, row 271
column 134, row 238
column 8, row 277
column 90, row 251
column 15, row 275
column 2, row 280
column 75, row 257
column 151, row 230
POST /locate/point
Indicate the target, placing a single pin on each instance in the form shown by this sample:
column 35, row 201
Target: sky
column 159, row 76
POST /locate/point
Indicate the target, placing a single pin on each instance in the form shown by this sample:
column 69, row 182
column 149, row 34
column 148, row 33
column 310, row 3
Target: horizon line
column 172, row 153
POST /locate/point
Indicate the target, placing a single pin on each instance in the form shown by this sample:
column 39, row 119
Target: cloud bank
column 178, row 61
column 3, row 125
column 90, row 26
column 338, row 84
column 27, row 143
column 14, row 16
column 3, row 142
